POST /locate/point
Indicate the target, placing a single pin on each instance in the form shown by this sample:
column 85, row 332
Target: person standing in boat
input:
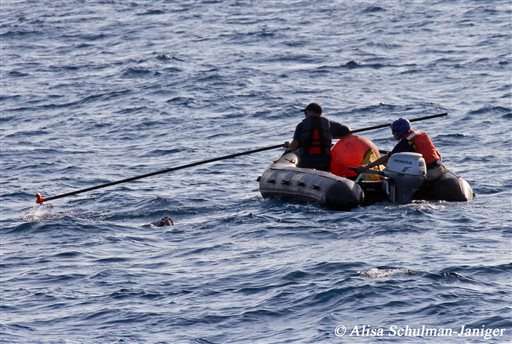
column 313, row 138
column 412, row 140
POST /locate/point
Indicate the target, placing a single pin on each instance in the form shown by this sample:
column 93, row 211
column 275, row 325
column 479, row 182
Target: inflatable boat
column 283, row 179
column 403, row 180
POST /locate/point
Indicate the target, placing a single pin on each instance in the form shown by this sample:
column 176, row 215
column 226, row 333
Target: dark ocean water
column 101, row 90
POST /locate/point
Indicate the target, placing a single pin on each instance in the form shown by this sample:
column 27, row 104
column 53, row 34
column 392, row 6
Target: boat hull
column 283, row 179
column 448, row 187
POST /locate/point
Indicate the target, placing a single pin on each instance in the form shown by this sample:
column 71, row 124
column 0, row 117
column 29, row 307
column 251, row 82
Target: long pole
column 40, row 198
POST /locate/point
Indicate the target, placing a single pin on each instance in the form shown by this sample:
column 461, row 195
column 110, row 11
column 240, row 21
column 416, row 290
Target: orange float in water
column 352, row 151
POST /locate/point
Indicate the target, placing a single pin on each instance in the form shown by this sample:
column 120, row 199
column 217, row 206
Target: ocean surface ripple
column 102, row 90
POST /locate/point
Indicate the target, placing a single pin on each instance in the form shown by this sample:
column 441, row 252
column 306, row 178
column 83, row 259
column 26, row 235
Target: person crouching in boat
column 313, row 137
column 412, row 140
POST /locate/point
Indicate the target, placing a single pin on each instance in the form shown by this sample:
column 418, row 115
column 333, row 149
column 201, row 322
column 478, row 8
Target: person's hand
column 286, row 144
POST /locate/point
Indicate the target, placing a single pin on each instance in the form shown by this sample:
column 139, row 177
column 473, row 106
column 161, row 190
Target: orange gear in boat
column 422, row 144
column 352, row 151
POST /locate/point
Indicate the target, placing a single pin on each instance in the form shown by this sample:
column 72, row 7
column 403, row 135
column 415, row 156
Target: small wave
column 28, row 133
column 151, row 13
column 379, row 108
column 69, row 67
column 172, row 70
column 110, row 260
column 373, row 9
column 130, row 294
column 481, row 11
column 187, row 101
column 203, row 341
column 327, row 267
column 454, row 63
column 7, row 118
column 385, row 45
column 496, row 321
column 332, row 297
column 5, row 329
column 453, row 139
column 104, row 96
column 8, row 97
column 101, row 314
column 202, row 250
column 385, row 272
column 295, row 275
column 40, row 212
column 137, row 72
column 411, row 71
column 165, row 57
column 147, row 124
column 259, row 314
column 489, row 109
column 85, row 100
column 134, row 110
column 353, row 65
column 448, row 275
column 67, row 254
column 162, row 152
column 19, row 33
column 483, row 189
column 82, row 45
column 60, row 278
column 87, row 36
column 16, row 74
column 457, row 271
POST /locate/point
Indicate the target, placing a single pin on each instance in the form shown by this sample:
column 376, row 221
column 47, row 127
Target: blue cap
column 400, row 127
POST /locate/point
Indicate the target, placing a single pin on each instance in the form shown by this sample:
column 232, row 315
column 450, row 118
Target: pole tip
column 39, row 198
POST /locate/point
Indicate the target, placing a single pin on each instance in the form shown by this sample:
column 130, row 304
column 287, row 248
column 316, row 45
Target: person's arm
column 339, row 130
column 292, row 146
column 380, row 161
column 295, row 144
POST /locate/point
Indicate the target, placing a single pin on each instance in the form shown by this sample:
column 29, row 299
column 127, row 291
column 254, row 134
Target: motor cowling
column 406, row 173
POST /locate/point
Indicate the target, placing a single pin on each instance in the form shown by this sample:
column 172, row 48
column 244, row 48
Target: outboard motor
column 406, row 173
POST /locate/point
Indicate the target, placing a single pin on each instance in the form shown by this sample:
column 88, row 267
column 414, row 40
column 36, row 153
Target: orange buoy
column 352, row 151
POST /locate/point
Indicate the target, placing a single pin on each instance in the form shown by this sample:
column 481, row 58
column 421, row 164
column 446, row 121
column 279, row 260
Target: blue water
column 101, row 90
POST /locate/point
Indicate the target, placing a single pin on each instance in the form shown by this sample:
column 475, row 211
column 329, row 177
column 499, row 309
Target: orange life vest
column 422, row 144
column 315, row 148
column 352, row 151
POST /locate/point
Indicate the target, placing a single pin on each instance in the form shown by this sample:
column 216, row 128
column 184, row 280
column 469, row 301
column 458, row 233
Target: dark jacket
column 315, row 135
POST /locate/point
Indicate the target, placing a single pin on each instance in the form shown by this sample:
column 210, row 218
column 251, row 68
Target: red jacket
column 422, row 144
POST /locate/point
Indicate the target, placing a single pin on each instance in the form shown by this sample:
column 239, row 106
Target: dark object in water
column 163, row 222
